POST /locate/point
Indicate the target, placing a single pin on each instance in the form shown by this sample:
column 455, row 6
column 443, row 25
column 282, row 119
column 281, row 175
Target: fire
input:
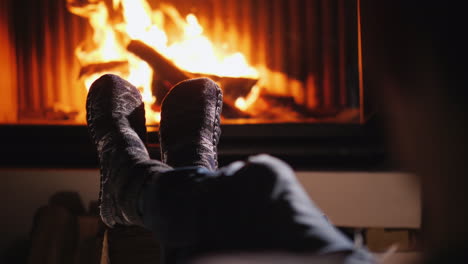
column 192, row 52
column 245, row 103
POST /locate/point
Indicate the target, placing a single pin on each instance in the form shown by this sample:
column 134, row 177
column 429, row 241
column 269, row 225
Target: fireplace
column 291, row 70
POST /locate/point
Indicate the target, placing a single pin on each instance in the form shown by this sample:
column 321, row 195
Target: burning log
column 103, row 67
column 165, row 69
column 168, row 74
column 232, row 112
column 233, row 87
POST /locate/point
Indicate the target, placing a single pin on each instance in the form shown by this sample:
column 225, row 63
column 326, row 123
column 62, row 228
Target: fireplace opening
column 280, row 61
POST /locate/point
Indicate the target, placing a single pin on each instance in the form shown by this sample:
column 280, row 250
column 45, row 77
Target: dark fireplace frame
column 303, row 146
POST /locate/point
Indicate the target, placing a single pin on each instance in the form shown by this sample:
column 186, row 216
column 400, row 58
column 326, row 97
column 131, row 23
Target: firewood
column 121, row 66
column 164, row 69
column 237, row 87
column 233, row 87
column 168, row 74
column 232, row 112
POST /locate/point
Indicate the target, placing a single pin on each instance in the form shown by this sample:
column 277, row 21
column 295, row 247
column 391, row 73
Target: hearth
column 280, row 61
column 291, row 73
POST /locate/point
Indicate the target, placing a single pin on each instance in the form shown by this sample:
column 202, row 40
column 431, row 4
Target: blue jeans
column 251, row 206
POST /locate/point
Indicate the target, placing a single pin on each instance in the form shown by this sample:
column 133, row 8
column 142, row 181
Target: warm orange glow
column 193, row 52
column 245, row 103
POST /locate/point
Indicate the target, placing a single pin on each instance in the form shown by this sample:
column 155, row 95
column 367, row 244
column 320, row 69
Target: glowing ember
column 193, row 52
column 245, row 103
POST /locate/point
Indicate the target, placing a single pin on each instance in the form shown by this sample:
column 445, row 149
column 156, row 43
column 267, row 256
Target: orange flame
column 193, row 52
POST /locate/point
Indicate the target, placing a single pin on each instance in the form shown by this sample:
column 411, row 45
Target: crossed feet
column 189, row 133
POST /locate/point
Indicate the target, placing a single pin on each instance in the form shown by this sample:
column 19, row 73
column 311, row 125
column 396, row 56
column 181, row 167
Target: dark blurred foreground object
column 63, row 232
column 54, row 237
column 131, row 244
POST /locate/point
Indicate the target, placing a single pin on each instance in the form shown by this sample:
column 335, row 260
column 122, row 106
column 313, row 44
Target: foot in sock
column 190, row 124
column 116, row 122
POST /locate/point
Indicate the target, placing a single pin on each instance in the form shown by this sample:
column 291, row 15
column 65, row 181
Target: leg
column 116, row 122
column 255, row 205
column 252, row 205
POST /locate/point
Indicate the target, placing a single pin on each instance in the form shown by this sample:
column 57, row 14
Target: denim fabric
column 255, row 205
